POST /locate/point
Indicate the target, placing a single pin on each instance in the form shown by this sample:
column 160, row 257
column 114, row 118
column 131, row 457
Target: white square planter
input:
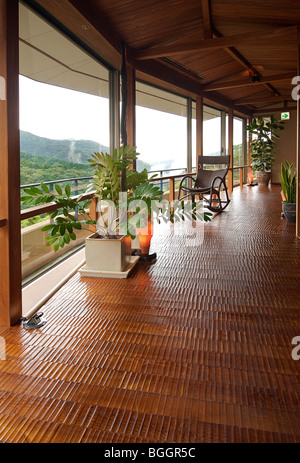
column 107, row 255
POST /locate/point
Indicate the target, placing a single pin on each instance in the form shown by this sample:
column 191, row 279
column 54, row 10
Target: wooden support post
column 230, row 149
column 223, row 133
column 10, row 231
column 131, row 114
column 114, row 109
column 298, row 143
column 245, row 151
column 249, row 162
column 172, row 190
column 199, row 127
column 241, row 177
column 189, row 136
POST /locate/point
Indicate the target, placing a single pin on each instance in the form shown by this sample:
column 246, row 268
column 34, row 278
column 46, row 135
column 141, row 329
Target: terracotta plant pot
column 263, row 178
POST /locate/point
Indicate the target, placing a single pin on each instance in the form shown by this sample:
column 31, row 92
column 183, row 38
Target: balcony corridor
column 195, row 348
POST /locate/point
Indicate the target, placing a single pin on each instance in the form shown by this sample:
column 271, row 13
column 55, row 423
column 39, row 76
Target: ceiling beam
column 263, row 99
column 273, row 110
column 206, row 18
column 215, row 43
column 176, row 82
column 239, row 58
column 77, row 18
column 247, row 83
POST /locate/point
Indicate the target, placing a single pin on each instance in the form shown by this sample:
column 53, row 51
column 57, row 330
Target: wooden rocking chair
column 210, row 185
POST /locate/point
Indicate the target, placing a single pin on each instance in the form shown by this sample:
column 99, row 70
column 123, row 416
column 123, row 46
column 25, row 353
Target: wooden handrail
column 159, row 179
column 49, row 207
column 239, row 167
column 173, row 177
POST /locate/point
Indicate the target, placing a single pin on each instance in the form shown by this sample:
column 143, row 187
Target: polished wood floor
column 195, row 348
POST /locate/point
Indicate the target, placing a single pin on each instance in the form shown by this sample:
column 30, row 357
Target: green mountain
column 75, row 151
column 37, row 169
column 43, row 159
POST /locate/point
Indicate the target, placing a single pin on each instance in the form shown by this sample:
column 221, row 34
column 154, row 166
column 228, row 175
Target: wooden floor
column 195, row 348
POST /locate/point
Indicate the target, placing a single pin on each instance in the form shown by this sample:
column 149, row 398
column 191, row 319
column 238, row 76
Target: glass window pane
column 161, row 130
column 64, row 118
column 211, row 131
column 212, row 136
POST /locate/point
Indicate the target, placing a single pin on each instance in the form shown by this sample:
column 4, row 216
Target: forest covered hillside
column 75, row 151
column 43, row 159
column 37, row 169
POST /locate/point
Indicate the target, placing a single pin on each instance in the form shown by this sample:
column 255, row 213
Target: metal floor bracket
column 34, row 322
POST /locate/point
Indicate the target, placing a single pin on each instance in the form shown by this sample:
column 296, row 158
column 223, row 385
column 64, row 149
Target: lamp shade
column 145, row 235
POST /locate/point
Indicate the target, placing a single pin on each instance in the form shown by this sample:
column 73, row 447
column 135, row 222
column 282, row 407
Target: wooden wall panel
column 10, row 231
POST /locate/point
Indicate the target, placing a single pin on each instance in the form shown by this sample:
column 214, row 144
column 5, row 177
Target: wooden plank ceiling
column 220, row 46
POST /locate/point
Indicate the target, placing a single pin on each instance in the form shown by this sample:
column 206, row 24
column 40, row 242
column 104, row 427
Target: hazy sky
column 58, row 113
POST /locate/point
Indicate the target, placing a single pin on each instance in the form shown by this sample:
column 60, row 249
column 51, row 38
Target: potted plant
column 114, row 196
column 289, row 190
column 126, row 200
column 109, row 249
column 264, row 133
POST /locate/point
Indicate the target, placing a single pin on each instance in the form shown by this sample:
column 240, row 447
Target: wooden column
column 131, row 100
column 298, row 143
column 245, row 151
column 199, row 127
column 241, row 170
column 249, row 160
column 114, row 109
column 10, row 229
column 249, row 143
column 230, row 149
column 189, row 114
column 172, row 190
column 223, row 133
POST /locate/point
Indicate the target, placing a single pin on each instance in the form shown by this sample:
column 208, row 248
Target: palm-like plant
column 107, row 184
column 263, row 143
column 65, row 224
column 289, row 182
column 109, row 171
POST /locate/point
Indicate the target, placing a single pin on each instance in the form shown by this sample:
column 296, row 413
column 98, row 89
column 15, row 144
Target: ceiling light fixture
column 255, row 78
